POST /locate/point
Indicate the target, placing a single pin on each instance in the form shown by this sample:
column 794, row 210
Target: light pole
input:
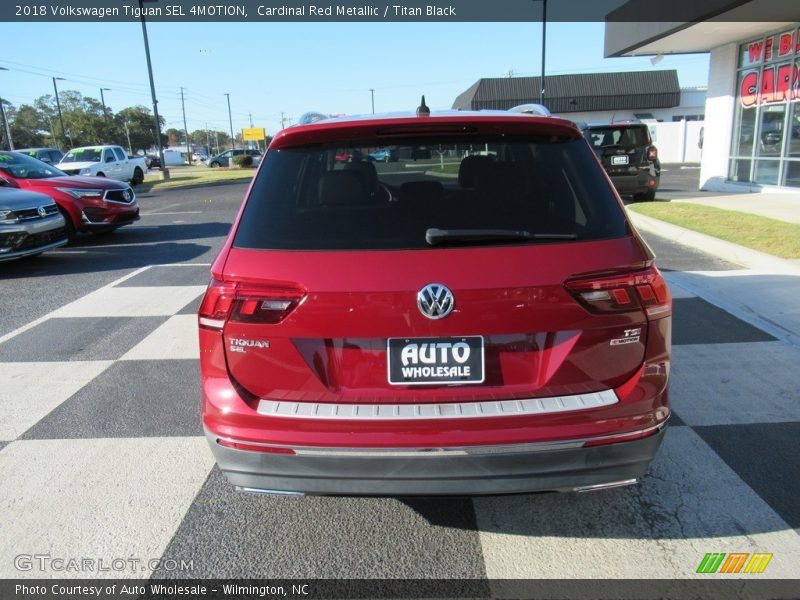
column 544, row 46
column 230, row 120
column 103, row 101
column 5, row 120
column 164, row 170
column 58, row 106
column 372, row 94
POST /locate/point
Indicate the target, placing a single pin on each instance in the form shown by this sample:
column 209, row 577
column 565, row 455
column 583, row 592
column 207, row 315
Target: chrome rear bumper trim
column 439, row 452
column 456, row 410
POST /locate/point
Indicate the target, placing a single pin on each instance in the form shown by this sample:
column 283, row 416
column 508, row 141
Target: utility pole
column 164, row 170
column 251, row 119
column 208, row 139
column 58, row 105
column 372, row 93
column 103, row 101
column 5, row 120
column 283, row 120
column 186, row 131
column 230, row 121
column 216, row 139
column 128, row 135
column 544, row 47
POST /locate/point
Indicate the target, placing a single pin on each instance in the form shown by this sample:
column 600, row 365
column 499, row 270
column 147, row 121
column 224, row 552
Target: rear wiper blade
column 436, row 236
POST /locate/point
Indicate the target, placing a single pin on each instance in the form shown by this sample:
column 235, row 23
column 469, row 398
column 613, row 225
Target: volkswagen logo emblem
column 127, row 195
column 435, row 301
column 42, row 211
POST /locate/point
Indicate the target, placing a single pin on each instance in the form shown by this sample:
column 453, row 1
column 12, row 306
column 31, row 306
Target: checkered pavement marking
column 104, row 457
column 32, row 389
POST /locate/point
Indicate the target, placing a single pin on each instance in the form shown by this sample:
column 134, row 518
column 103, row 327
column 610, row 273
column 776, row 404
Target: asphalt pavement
column 102, row 455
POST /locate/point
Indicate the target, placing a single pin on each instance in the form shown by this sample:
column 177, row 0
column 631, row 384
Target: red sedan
column 91, row 204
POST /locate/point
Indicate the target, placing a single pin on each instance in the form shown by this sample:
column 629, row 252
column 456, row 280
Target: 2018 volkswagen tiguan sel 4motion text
column 486, row 322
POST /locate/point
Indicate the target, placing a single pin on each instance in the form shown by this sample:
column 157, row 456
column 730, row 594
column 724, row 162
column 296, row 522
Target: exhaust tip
column 605, row 486
column 262, row 492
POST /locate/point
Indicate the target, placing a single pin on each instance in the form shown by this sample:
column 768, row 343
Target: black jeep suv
column 628, row 156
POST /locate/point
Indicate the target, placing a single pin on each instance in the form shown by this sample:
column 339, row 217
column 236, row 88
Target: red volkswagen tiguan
column 483, row 320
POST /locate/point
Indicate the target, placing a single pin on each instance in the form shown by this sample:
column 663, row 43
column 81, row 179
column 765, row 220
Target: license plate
column 619, row 160
column 426, row 361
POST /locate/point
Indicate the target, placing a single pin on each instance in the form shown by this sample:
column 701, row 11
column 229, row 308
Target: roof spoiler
column 539, row 110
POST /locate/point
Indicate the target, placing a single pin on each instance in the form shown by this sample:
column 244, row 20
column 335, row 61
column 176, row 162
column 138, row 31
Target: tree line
column 85, row 123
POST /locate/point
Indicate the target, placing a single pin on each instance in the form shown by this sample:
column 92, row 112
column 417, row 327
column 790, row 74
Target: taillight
column 233, row 301
column 652, row 153
column 635, row 290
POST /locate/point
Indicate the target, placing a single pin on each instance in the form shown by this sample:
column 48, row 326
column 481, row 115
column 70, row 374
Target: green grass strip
column 778, row 238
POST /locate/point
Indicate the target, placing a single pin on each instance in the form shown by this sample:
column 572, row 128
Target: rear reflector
column 652, row 153
column 254, row 447
column 630, row 291
column 249, row 304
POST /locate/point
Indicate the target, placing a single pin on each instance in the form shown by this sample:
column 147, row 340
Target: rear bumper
column 474, row 470
column 634, row 184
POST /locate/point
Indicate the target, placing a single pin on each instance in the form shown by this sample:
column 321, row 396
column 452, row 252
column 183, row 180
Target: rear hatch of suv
column 621, row 147
column 501, row 268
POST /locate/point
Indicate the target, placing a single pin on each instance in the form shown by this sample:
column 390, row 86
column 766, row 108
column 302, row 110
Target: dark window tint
column 23, row 166
column 617, row 136
column 120, row 154
column 306, row 199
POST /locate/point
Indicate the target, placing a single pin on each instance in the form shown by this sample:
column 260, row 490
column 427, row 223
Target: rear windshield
column 388, row 197
column 617, row 136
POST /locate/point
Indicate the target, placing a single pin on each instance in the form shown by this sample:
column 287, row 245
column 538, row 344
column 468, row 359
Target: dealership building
column 752, row 111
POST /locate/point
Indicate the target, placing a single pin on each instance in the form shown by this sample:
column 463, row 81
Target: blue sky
column 269, row 68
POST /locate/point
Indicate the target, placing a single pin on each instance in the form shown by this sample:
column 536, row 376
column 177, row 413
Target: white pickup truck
column 104, row 161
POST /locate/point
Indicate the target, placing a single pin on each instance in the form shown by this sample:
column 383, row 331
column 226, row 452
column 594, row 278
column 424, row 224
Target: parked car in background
column 199, row 157
column 48, row 155
column 628, row 155
column 89, row 204
column 104, row 161
column 153, row 161
column 384, row 155
column 369, row 332
column 29, row 224
column 224, row 158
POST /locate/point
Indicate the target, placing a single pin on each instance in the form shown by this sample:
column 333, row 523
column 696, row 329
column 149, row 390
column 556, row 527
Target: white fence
column 677, row 142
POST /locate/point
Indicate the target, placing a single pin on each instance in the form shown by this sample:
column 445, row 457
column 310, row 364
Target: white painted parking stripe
column 44, row 318
column 175, row 339
column 96, row 498
column 31, row 390
column 132, row 302
column 730, row 384
column 693, row 503
column 180, row 212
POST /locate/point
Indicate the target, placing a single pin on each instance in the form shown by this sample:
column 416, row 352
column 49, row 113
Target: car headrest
column 470, row 169
column 341, row 188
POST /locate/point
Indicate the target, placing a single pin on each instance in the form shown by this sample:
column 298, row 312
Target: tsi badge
column 631, row 337
column 239, row 345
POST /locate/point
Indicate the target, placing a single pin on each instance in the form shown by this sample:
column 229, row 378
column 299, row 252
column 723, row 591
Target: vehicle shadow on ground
column 142, row 233
column 128, row 247
column 102, row 259
column 689, row 492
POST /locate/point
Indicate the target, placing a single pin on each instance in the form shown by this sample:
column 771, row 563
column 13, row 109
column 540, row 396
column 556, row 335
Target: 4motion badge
column 631, row 337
